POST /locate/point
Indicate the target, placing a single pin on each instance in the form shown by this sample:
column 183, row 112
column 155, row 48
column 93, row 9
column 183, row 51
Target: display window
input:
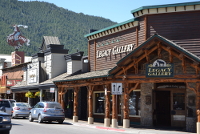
column 134, row 103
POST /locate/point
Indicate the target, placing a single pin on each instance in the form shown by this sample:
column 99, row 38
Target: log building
column 144, row 71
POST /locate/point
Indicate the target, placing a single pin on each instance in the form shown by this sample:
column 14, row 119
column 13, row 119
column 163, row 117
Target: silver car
column 47, row 111
column 5, row 106
column 20, row 109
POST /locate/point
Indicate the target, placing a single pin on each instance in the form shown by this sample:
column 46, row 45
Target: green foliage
column 46, row 19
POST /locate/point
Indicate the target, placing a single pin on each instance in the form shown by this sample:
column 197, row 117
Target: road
column 23, row 126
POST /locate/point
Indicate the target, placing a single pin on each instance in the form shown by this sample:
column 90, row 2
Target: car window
column 54, row 105
column 36, row 106
column 21, row 105
column 27, row 104
column 41, row 105
column 5, row 104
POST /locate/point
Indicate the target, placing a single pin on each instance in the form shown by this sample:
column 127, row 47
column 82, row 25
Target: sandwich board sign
column 116, row 88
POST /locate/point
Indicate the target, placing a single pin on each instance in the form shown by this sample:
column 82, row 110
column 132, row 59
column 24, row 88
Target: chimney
column 17, row 58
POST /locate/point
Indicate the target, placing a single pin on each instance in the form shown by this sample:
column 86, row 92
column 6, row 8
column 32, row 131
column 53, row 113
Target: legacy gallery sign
column 159, row 68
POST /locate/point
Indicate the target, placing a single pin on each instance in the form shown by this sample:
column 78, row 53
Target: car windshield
column 5, row 104
column 21, row 105
column 54, row 105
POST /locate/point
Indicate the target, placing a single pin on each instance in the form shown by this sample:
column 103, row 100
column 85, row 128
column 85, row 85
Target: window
column 99, row 102
column 178, row 101
column 134, row 103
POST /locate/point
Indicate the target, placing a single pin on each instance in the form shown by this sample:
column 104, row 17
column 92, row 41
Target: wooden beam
column 193, row 89
column 146, row 55
column 135, row 87
column 90, row 100
column 139, row 59
column 76, row 91
column 159, row 50
column 126, row 100
column 107, row 98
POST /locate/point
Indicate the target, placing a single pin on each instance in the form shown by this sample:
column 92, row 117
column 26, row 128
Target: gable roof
column 51, row 40
column 162, row 39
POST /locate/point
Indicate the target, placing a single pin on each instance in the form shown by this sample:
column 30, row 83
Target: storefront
column 154, row 57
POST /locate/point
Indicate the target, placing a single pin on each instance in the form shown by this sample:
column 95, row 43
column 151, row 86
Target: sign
column 12, row 82
column 115, row 50
column 52, row 90
column 8, row 91
column 116, row 88
column 159, row 68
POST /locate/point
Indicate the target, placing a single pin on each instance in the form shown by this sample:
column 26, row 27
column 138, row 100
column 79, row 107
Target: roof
column 113, row 29
column 51, row 40
column 166, row 5
column 88, row 75
column 168, row 8
column 166, row 41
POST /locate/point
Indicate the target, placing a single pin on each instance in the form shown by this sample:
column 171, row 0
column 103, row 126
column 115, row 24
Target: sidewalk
column 131, row 130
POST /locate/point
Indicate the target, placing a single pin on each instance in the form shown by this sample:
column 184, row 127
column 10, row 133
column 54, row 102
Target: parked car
column 11, row 101
column 47, row 111
column 5, row 123
column 20, row 109
column 5, row 106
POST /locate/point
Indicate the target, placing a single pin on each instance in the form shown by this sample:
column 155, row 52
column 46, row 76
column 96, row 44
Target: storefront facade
column 155, row 59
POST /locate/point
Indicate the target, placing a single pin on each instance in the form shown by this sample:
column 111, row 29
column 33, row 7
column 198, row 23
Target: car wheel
column 60, row 122
column 40, row 119
column 6, row 132
column 30, row 118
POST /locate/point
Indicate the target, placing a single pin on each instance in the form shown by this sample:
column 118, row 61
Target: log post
column 75, row 116
column 126, row 121
column 61, row 97
column 59, row 94
column 114, row 111
column 107, row 106
column 90, row 105
column 198, row 107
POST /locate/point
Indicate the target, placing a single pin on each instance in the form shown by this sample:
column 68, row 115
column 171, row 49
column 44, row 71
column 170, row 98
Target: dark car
column 47, row 111
column 5, row 123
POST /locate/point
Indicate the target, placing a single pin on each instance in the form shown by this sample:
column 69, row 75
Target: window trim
column 94, row 103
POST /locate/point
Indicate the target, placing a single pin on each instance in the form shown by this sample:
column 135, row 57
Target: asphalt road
column 23, row 126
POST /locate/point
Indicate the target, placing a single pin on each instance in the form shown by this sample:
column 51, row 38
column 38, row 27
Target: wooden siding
column 182, row 28
column 125, row 38
column 141, row 31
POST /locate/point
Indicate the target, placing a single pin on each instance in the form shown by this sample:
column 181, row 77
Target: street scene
column 79, row 127
column 67, row 72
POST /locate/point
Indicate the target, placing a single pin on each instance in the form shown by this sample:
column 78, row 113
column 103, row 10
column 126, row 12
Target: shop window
column 134, row 103
column 99, row 102
column 179, row 101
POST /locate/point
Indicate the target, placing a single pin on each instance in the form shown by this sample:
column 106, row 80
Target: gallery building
column 144, row 71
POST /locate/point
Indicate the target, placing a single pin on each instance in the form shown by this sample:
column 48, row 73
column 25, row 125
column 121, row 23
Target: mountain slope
column 46, row 19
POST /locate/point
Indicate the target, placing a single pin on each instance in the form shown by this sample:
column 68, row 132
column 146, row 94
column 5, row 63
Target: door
column 178, row 108
column 162, row 108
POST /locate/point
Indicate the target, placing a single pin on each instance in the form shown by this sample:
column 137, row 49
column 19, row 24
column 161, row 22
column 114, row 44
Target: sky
column 115, row 10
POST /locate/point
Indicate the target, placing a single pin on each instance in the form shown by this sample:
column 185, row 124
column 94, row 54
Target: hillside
column 46, row 19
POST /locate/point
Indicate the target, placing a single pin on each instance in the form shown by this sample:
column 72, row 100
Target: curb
column 108, row 128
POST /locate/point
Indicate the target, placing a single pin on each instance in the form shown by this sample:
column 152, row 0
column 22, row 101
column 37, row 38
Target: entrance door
column 162, row 108
column 178, row 108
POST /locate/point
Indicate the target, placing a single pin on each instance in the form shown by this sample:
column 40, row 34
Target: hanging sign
column 159, row 68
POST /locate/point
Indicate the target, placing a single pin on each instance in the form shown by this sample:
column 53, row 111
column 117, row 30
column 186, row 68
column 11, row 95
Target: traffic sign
column 116, row 88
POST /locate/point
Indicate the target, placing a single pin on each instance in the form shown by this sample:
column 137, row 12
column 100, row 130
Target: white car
column 20, row 109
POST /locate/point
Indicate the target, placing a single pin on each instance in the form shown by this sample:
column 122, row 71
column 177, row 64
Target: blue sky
column 115, row 10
